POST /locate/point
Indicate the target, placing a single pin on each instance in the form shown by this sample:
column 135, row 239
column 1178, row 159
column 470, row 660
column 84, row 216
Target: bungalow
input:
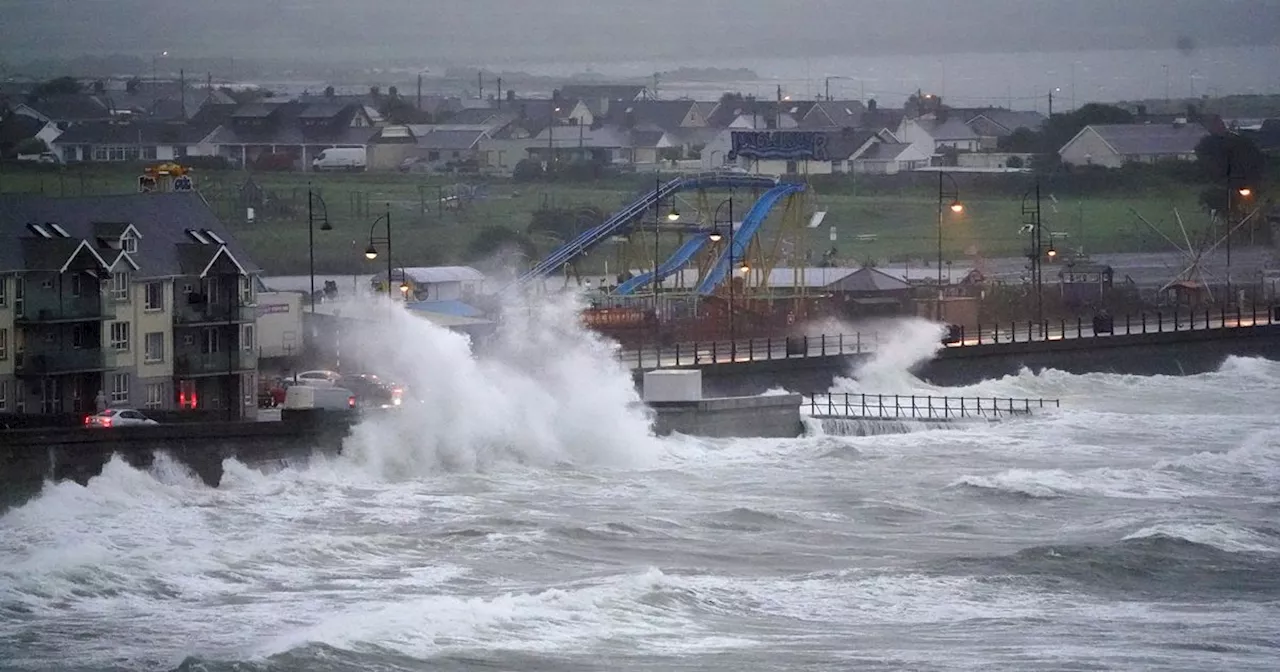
column 827, row 114
column 888, row 157
column 1113, row 145
column 601, row 99
column 752, row 114
column 65, row 110
column 102, row 142
column 568, row 143
column 931, row 135
column 291, row 133
column 670, row 128
column 993, row 125
column 803, row 152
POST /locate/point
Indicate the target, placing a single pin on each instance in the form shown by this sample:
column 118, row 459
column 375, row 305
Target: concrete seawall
column 28, row 458
column 776, row 416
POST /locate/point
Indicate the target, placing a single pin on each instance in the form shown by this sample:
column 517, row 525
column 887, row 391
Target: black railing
column 858, row 406
column 700, row 353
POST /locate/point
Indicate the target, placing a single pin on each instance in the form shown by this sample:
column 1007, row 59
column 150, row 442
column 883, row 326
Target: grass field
column 875, row 224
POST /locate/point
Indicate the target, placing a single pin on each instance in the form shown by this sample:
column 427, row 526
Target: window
column 149, row 152
column 246, row 290
column 120, row 388
column 4, row 291
column 210, row 343
column 211, row 291
column 19, row 292
column 155, row 296
column 120, row 286
column 120, row 336
column 70, row 154
column 246, row 338
column 81, row 337
column 4, row 395
column 4, row 344
column 153, row 347
column 129, row 244
column 155, row 395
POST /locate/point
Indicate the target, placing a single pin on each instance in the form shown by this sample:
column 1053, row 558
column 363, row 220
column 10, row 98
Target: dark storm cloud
column 618, row 30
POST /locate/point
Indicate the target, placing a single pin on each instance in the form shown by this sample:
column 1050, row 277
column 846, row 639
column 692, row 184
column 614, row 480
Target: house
column 931, row 136
column 144, row 140
column 65, row 110
column 601, row 99
column 818, row 152
column 1113, row 145
column 291, row 133
column 869, row 291
column 670, row 128
column 450, row 145
column 146, row 297
column 15, row 128
column 752, row 114
column 606, row 144
column 993, row 125
column 889, row 158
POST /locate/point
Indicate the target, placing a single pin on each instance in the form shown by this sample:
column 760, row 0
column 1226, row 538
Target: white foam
column 1219, row 535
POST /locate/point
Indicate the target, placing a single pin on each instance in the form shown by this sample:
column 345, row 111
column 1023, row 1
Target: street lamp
column 715, row 237
column 945, row 196
column 313, row 197
column 371, row 252
column 673, row 216
column 1031, row 223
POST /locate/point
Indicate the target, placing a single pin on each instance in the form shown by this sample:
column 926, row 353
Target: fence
column 856, row 406
column 832, row 345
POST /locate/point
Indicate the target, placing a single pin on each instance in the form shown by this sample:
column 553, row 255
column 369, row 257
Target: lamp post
column 673, row 216
column 371, row 252
column 957, row 207
column 313, row 197
column 1031, row 222
column 715, row 237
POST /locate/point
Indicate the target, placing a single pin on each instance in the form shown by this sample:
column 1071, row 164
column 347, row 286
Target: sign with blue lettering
column 786, row 145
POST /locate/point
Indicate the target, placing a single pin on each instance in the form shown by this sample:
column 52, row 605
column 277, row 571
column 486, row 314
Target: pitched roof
column 867, row 279
column 949, row 129
column 428, row 138
column 480, row 116
column 426, row 275
column 70, row 107
column 834, row 114
column 622, row 92
column 667, row 115
column 884, row 151
column 134, row 133
column 1011, row 120
column 162, row 221
column 1150, row 139
column 58, row 254
column 726, row 113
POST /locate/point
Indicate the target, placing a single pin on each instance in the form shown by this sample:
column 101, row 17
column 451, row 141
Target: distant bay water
column 1017, row 80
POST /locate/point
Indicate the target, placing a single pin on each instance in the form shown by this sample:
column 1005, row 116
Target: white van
column 306, row 397
column 341, row 158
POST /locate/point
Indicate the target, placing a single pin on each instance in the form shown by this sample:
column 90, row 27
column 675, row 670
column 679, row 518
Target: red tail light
column 351, row 402
column 106, row 422
column 88, row 419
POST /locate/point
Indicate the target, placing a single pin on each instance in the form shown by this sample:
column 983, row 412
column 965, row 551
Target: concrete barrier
column 775, row 416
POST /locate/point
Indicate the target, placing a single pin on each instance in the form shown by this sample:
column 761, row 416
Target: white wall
column 279, row 324
column 1088, row 148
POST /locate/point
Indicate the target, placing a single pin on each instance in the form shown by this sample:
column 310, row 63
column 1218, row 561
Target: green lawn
column 870, row 223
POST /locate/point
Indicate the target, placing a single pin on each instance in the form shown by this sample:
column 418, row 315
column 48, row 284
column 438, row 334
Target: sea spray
column 545, row 391
column 899, row 345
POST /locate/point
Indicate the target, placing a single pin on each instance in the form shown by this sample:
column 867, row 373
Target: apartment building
column 145, row 298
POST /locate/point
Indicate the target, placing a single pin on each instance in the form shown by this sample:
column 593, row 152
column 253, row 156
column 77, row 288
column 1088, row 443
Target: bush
column 527, row 170
column 31, row 146
column 1014, row 162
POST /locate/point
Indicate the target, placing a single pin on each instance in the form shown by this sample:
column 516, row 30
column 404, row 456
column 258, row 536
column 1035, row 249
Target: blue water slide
column 677, row 261
column 623, row 219
column 744, row 233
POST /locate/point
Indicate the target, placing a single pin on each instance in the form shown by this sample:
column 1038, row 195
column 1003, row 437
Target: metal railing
column 698, row 353
column 859, row 406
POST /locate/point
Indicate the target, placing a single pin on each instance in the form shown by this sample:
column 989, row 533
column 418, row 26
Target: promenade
column 973, row 341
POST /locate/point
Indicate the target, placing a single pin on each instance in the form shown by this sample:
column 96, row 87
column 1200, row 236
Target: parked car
column 374, row 392
column 327, row 398
column 118, row 417
column 319, row 378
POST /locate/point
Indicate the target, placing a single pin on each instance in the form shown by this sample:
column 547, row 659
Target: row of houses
column 602, row 124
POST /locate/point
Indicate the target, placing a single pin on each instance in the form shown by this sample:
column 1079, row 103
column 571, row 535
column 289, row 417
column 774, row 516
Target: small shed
column 1083, row 282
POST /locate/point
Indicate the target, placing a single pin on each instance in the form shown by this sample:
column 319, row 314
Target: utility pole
column 499, row 98
column 480, row 84
column 182, row 91
column 419, row 105
column 1050, row 103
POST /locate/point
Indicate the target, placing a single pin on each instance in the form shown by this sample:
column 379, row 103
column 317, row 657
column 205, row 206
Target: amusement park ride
column 715, row 283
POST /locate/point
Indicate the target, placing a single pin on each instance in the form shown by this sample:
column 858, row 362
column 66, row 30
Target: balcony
column 214, row 364
column 77, row 309
column 194, row 314
column 56, row 362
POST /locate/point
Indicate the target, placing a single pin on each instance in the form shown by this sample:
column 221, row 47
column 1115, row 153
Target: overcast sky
column 498, row 31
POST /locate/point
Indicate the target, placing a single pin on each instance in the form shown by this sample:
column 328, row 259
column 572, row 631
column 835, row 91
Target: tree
column 31, row 146
column 393, row 91
column 59, row 86
column 400, row 111
column 1022, row 140
column 1230, row 158
column 1014, row 162
column 329, row 92
column 1061, row 128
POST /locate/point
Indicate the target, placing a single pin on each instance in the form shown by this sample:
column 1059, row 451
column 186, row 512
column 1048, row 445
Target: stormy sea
column 523, row 518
